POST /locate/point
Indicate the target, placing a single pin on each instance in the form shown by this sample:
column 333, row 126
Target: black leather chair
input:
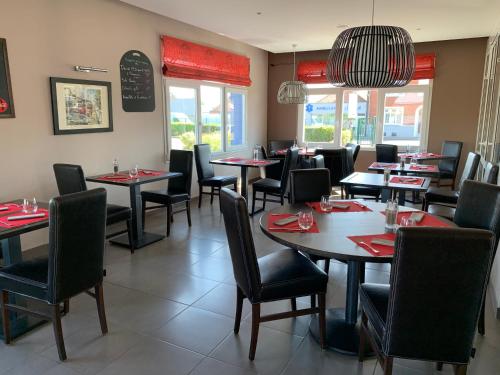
column 430, row 309
column 283, row 274
column 490, row 173
column 318, row 161
column 178, row 191
column 448, row 167
column 309, row 185
column 446, row 197
column 279, row 145
column 70, row 179
column 206, row 174
column 272, row 187
column 333, row 162
column 354, row 190
column 77, row 226
column 273, row 171
column 355, row 150
column 479, row 207
column 386, row 153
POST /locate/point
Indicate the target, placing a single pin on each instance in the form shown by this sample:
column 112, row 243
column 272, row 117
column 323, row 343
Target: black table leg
column 342, row 330
column 244, row 182
column 402, row 197
column 139, row 237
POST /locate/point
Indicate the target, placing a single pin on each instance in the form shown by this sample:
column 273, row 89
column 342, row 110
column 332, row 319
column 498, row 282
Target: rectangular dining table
column 139, row 236
column 10, row 246
column 377, row 181
column 430, row 170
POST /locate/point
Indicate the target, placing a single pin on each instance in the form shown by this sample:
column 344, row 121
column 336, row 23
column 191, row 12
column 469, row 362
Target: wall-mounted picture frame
column 6, row 98
column 81, row 106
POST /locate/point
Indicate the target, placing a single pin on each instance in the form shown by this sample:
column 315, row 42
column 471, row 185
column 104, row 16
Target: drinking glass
column 391, row 214
column 306, row 219
column 26, row 205
column 34, row 206
column 325, row 203
column 413, row 161
column 387, row 175
column 134, row 172
column 408, row 221
column 116, row 166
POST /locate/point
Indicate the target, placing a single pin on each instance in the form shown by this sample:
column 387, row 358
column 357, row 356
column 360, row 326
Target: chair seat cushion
column 117, row 213
column 267, row 185
column 443, row 211
column 219, row 181
column 444, row 195
column 287, row 273
column 363, row 190
column 28, row 277
column 162, row 197
column 375, row 299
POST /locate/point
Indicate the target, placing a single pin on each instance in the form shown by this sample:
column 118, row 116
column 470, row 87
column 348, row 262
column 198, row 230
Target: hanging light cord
column 293, row 45
column 373, row 10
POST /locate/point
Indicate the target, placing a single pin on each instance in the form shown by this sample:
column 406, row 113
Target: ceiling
column 274, row 25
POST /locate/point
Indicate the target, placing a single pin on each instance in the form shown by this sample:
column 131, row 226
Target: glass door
column 183, row 119
column 320, row 118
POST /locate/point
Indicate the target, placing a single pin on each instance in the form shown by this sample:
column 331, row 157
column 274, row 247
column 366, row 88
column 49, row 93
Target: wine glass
column 306, row 219
column 134, row 172
column 34, row 206
column 325, row 204
column 26, row 206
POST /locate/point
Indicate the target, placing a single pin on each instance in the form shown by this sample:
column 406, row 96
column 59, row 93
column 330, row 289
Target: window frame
column 244, row 145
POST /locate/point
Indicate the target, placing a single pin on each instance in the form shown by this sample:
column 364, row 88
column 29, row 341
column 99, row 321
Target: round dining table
column 332, row 242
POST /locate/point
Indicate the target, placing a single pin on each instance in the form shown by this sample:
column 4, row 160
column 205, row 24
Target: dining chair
column 355, row 150
column 283, row 274
column 278, row 145
column 273, row 171
column 272, row 187
column 356, row 190
column 448, row 167
column 71, row 179
column 317, row 161
column 430, row 309
column 446, row 197
column 333, row 161
column 206, row 174
column 478, row 207
column 74, row 263
column 178, row 190
column 385, row 153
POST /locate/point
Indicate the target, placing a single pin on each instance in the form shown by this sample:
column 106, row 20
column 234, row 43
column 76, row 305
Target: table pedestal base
column 341, row 336
column 146, row 239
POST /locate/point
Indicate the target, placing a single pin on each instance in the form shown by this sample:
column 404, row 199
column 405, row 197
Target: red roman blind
column 314, row 71
column 183, row 59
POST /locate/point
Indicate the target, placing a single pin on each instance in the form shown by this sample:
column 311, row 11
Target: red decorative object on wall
column 314, row 71
column 183, row 59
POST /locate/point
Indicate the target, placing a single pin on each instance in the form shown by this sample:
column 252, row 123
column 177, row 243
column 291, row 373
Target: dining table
column 420, row 157
column 344, row 236
column 430, row 170
column 122, row 178
column 303, row 151
column 10, row 246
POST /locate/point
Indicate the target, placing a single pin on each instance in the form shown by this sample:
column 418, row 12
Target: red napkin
column 417, row 167
column 256, row 162
column 148, row 172
column 384, row 250
column 293, row 227
column 116, row 177
column 353, row 207
column 12, row 207
column 384, row 165
column 234, row 160
column 406, row 180
column 18, row 223
column 428, row 220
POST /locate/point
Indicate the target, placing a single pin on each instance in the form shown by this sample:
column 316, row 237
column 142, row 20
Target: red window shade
column 183, row 59
column 314, row 71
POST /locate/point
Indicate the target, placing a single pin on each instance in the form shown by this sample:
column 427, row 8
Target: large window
column 333, row 116
column 205, row 113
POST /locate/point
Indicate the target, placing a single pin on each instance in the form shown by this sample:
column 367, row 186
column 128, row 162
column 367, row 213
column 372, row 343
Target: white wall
column 47, row 38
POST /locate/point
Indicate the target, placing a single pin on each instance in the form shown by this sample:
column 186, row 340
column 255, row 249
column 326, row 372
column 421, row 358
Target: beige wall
column 455, row 94
column 47, row 38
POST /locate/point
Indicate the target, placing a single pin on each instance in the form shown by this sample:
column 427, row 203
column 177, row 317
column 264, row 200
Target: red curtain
column 183, row 59
column 314, row 71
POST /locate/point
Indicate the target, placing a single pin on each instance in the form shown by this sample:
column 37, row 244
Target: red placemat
column 18, row 223
column 384, row 165
column 407, row 180
column 149, row 172
column 428, row 220
column 384, row 250
column 256, row 162
column 12, row 207
column 420, row 155
column 289, row 228
column 233, row 160
column 116, row 177
column 353, row 207
column 419, row 167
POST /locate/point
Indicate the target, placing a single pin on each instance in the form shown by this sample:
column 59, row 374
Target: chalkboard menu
column 138, row 87
column 6, row 100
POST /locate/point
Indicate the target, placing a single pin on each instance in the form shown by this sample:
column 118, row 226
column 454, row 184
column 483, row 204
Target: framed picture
column 6, row 99
column 81, row 106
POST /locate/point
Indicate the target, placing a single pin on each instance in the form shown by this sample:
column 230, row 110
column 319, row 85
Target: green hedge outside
column 179, row 128
column 325, row 134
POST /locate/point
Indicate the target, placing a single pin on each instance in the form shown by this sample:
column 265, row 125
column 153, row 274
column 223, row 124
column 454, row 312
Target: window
column 199, row 112
column 334, row 116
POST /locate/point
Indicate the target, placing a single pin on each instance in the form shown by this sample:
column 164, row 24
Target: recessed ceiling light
column 418, row 28
column 259, row 13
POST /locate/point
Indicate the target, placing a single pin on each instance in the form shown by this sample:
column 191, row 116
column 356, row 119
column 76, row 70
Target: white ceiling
column 314, row 24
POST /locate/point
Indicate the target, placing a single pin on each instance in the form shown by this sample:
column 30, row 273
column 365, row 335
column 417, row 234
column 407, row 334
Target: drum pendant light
column 292, row 92
column 371, row 56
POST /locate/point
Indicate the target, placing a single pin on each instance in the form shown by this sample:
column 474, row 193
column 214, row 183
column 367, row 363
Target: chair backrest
column 309, row 185
column 70, row 178
column 438, row 280
column 292, row 155
column 334, row 161
column 280, row 145
column 478, row 207
column 318, row 161
column 386, row 153
column 77, row 230
column 454, row 149
column 348, row 161
column 241, row 245
column 490, row 173
column 470, row 168
column 355, row 150
column 202, row 159
column 263, row 152
column 181, row 161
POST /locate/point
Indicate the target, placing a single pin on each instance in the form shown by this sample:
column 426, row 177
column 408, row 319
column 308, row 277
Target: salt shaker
column 116, row 166
column 387, row 174
column 391, row 214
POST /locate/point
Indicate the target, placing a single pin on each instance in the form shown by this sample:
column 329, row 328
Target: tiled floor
column 170, row 310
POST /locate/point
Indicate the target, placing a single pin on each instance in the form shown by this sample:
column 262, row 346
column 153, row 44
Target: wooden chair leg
column 327, row 266
column 169, row 218
column 294, row 303
column 200, row 189
column 5, row 317
column 322, row 319
column 362, row 337
column 66, row 306
column 439, row 366
column 264, row 201
column 130, row 238
column 236, row 186
column 460, row 369
column 388, row 366
column 188, row 211
column 282, row 198
column 255, row 330
column 254, row 195
column 56, row 323
column 239, row 308
column 99, row 298
column 212, row 195
column 480, row 324
column 362, row 269
column 313, row 301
